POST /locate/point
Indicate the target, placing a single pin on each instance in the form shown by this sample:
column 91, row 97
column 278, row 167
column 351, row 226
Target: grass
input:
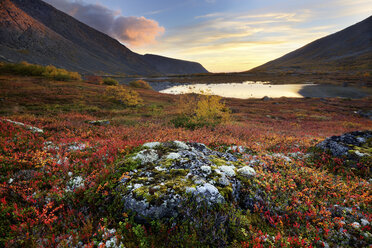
column 299, row 198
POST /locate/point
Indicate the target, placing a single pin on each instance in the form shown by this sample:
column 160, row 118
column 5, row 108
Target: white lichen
column 181, row 145
column 147, row 156
column 246, row 171
column 75, row 183
column 206, row 169
column 173, row 155
column 151, row 145
column 227, row 170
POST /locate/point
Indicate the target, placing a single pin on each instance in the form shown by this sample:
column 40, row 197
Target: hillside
column 347, row 50
column 36, row 32
column 173, row 66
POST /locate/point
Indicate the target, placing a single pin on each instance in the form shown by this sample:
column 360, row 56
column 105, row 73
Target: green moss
column 226, row 192
column 167, row 163
column 179, row 172
column 218, row 161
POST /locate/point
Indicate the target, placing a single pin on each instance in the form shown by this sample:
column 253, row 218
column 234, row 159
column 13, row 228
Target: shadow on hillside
column 332, row 91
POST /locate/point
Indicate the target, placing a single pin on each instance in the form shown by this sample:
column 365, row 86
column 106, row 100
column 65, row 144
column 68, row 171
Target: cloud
column 135, row 31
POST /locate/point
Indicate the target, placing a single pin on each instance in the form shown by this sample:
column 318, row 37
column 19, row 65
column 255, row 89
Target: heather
column 59, row 187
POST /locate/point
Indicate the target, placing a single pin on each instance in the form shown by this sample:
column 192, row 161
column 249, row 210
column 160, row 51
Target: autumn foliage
column 57, row 187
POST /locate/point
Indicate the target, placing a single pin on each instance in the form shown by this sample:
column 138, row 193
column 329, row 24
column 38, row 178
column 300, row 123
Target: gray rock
column 344, row 145
column 100, row 122
column 171, row 173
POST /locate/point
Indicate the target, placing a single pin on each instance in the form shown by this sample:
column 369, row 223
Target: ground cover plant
column 50, row 71
column 58, row 187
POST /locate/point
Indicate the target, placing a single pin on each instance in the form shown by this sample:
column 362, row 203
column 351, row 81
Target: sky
column 222, row 35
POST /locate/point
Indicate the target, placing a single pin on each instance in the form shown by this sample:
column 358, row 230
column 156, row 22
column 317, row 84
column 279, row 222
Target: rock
column 364, row 222
column 364, row 113
column 352, row 145
column 100, row 122
column 172, row 173
column 266, row 98
column 356, row 225
column 31, row 128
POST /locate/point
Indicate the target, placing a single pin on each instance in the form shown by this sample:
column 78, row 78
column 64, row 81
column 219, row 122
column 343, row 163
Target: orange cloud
column 136, row 31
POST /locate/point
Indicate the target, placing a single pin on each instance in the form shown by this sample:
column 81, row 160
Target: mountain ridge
column 39, row 33
column 346, row 50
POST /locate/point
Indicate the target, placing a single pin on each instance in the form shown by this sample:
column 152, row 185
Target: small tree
column 123, row 96
column 211, row 110
column 201, row 110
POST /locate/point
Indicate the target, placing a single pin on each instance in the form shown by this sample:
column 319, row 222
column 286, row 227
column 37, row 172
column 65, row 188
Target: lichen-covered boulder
column 352, row 145
column 170, row 173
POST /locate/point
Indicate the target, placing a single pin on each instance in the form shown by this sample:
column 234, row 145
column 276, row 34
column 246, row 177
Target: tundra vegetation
column 27, row 69
column 140, row 84
column 68, row 182
column 110, row 81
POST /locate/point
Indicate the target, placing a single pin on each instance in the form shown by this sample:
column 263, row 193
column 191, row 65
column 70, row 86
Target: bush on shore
column 110, row 81
column 140, row 84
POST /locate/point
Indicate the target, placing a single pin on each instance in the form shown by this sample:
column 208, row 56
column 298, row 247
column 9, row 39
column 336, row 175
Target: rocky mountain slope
column 347, row 50
column 36, row 32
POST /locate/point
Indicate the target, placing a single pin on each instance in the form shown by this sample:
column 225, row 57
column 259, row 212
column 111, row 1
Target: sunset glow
column 223, row 35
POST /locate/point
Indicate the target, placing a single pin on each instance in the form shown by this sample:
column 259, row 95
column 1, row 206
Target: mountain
column 172, row 66
column 36, row 32
column 347, row 50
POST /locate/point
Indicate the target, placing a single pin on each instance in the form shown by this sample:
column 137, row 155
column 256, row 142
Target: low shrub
column 140, row 84
column 201, row 110
column 123, row 96
column 50, row 71
column 110, row 81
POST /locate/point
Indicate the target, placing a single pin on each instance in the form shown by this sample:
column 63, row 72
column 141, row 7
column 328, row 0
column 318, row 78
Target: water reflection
column 260, row 89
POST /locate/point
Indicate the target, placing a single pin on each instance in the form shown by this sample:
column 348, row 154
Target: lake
column 261, row 89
